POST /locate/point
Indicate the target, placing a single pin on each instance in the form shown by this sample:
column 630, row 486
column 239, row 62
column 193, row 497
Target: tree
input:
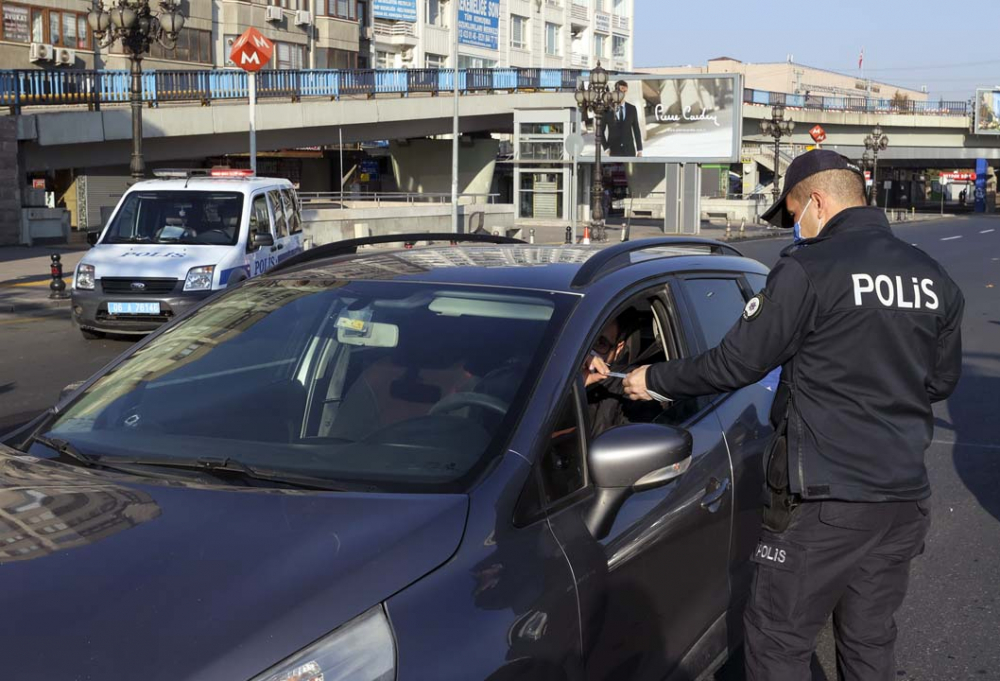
column 900, row 100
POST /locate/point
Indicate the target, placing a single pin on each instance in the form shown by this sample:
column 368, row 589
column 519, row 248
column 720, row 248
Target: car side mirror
column 630, row 459
column 92, row 238
column 259, row 239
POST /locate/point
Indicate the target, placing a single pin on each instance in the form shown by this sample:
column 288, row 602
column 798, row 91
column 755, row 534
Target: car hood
column 151, row 260
column 114, row 577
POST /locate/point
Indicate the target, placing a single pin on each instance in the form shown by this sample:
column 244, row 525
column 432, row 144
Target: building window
column 541, row 142
column 435, row 61
column 192, row 45
column 599, row 5
column 385, row 60
column 337, row 59
column 541, row 194
column 24, row 24
column 518, row 32
column 288, row 56
column 468, row 62
column 621, row 8
column 552, row 32
column 600, row 46
column 621, row 47
column 437, row 13
column 342, row 9
column 362, row 15
column 284, row 4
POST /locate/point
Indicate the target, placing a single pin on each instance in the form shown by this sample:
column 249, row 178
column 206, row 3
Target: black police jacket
column 867, row 330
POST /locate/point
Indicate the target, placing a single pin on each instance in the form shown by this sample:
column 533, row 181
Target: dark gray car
column 388, row 465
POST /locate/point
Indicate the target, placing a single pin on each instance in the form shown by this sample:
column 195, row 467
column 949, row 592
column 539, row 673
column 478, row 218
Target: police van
column 174, row 240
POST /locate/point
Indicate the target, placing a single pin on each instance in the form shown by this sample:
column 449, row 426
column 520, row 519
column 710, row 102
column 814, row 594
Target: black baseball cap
column 806, row 165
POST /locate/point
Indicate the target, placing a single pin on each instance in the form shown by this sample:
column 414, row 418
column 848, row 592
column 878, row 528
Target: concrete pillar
column 11, row 182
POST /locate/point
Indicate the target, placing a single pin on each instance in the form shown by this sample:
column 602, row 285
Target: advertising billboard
column 397, row 10
column 672, row 119
column 479, row 23
column 988, row 112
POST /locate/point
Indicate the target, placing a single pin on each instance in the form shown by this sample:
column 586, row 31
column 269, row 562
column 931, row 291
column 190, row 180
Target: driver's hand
column 635, row 385
column 596, row 371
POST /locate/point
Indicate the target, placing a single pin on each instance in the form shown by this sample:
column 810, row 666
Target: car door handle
column 715, row 492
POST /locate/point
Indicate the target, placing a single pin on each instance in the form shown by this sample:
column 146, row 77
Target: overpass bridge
column 68, row 119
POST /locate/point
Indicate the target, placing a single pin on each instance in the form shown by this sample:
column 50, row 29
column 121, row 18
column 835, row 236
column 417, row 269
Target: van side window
column 292, row 214
column 280, row 225
column 260, row 218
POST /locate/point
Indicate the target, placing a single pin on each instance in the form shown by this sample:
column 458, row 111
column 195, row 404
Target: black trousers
column 849, row 559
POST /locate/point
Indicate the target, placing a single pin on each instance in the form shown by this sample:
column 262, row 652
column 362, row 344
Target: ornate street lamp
column 137, row 27
column 598, row 99
column 777, row 127
column 875, row 142
column 867, row 163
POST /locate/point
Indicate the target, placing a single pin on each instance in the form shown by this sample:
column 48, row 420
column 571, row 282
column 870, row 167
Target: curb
column 33, row 306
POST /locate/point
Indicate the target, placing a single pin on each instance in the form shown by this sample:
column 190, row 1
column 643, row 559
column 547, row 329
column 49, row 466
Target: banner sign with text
column 672, row 119
column 479, row 23
column 396, row 10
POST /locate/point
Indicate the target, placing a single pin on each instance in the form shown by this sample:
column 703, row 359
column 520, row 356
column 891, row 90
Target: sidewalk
column 25, row 277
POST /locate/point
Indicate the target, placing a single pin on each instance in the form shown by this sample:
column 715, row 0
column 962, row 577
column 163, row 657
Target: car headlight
column 199, row 278
column 361, row 650
column 85, row 277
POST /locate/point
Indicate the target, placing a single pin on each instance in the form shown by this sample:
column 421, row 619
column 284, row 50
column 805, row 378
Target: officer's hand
column 639, row 153
column 596, row 371
column 635, row 385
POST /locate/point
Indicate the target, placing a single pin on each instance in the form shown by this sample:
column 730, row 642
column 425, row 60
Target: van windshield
column 178, row 217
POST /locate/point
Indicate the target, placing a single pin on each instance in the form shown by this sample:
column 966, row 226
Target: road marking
column 987, row 231
column 964, row 444
column 950, row 238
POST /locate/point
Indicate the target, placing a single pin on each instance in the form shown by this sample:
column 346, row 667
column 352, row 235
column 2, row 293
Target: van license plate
column 133, row 308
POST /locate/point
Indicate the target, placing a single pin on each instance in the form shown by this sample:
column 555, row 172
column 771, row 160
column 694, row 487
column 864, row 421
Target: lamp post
column 777, row 127
column 134, row 24
column 867, row 164
column 598, row 99
column 875, row 142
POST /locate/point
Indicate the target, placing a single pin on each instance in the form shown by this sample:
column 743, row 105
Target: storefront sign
column 397, row 10
column 602, row 22
column 479, row 23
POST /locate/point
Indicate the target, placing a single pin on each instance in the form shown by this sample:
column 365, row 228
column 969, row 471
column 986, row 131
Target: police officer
column 867, row 331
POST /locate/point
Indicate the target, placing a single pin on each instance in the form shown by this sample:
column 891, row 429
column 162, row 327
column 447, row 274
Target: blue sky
column 951, row 47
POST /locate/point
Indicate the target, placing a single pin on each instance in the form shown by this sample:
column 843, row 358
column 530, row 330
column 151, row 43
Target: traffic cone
column 586, row 235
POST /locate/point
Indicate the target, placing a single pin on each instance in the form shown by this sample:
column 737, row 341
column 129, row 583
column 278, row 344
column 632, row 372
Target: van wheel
column 91, row 335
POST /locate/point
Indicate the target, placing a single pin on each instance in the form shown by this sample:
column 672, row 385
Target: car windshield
column 410, row 387
column 178, row 217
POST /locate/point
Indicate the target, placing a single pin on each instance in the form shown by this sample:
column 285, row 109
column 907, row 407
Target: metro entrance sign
column 958, row 176
column 251, row 52
column 818, row 134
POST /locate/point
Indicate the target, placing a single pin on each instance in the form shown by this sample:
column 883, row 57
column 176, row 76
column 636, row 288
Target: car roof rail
column 351, row 246
column 604, row 259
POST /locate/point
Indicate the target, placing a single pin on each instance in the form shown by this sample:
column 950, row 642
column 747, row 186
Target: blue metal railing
column 48, row 88
column 856, row 104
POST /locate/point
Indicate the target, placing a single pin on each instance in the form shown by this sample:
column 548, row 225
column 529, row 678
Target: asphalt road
column 950, row 622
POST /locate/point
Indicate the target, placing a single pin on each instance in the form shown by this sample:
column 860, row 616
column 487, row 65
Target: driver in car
column 606, row 401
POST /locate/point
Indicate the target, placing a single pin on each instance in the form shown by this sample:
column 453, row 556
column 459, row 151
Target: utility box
column 44, row 225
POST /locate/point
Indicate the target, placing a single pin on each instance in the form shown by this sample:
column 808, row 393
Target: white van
column 173, row 241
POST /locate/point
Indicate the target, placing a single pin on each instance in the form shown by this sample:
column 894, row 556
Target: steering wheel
column 469, row 399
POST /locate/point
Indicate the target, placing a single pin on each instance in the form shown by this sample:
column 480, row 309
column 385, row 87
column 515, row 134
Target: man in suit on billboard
column 620, row 129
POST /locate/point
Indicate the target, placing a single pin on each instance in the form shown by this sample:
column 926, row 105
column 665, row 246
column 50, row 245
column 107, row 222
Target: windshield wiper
column 65, row 448
column 231, row 468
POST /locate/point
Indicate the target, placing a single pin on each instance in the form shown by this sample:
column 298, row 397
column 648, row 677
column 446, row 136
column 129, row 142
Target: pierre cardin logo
column 138, row 286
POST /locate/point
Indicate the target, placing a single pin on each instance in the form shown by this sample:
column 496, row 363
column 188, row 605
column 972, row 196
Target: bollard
column 569, row 235
column 531, row 236
column 743, row 227
column 729, row 232
column 57, row 287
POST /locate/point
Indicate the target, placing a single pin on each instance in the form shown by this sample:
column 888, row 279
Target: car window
column 717, row 305
column 280, row 224
column 562, row 466
column 260, row 218
column 291, row 213
column 756, row 281
column 411, row 387
column 177, row 217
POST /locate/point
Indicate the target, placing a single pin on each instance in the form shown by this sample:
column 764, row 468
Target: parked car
column 381, row 464
column 173, row 241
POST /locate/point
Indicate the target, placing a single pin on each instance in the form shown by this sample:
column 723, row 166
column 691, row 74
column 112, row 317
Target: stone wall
column 10, row 183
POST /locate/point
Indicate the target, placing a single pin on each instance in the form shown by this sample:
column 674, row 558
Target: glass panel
column 55, row 25
column 542, row 128
column 562, row 465
column 260, row 218
column 185, row 217
column 337, row 381
column 718, row 304
column 756, row 281
column 280, row 226
column 205, row 40
column 82, row 33
column 69, row 29
column 37, row 26
column 542, row 151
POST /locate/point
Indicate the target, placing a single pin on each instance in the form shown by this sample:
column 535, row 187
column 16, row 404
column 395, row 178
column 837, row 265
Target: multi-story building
column 51, row 34
column 504, row 33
